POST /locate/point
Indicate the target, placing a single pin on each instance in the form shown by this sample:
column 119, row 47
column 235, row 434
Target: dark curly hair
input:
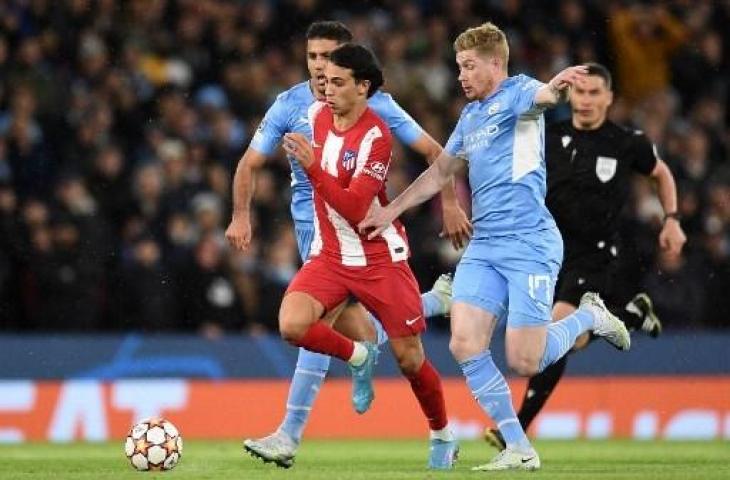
column 361, row 60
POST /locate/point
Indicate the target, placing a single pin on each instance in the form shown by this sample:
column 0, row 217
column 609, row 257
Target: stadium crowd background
column 121, row 123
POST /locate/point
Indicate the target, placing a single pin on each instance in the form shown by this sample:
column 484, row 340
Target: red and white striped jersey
column 348, row 176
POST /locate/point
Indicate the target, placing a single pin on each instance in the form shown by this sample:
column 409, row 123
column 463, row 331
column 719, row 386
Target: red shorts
column 390, row 292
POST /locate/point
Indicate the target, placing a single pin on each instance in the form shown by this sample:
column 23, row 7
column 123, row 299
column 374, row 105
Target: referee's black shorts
column 586, row 270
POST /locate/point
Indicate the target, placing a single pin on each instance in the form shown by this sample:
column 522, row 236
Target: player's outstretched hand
column 457, row 226
column 672, row 237
column 569, row 76
column 376, row 221
column 238, row 233
column 297, row 145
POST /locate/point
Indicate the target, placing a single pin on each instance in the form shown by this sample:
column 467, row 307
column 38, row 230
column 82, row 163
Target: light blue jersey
column 511, row 264
column 289, row 114
column 503, row 139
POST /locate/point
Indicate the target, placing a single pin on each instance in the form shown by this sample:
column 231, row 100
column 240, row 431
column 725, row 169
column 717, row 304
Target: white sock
column 359, row 355
column 444, row 435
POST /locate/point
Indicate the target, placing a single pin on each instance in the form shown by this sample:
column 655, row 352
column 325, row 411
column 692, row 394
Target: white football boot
column 606, row 324
column 510, row 459
column 277, row 447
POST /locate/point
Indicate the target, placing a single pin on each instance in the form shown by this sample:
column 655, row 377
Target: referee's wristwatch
column 675, row 215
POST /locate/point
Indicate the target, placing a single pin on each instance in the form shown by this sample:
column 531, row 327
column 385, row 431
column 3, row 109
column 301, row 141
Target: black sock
column 538, row 391
column 632, row 320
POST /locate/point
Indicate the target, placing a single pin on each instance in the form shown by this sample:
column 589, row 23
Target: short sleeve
column 523, row 95
column 642, row 153
column 400, row 123
column 272, row 128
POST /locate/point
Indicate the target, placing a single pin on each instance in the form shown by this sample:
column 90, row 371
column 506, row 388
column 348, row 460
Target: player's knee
column 291, row 334
column 290, row 329
column 410, row 366
column 409, row 356
column 462, row 347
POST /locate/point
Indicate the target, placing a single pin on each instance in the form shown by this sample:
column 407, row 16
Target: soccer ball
column 153, row 444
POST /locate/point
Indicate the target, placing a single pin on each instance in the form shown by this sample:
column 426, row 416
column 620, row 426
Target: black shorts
column 587, row 270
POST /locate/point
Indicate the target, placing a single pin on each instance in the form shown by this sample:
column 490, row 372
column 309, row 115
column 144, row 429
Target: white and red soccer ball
column 153, row 444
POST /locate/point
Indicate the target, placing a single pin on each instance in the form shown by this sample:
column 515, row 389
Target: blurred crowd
column 121, row 123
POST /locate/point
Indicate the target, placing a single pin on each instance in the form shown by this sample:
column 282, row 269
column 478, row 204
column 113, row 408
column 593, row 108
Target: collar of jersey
column 500, row 87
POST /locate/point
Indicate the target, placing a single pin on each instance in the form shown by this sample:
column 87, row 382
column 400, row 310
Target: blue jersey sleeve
column 272, row 128
column 401, row 125
column 524, row 90
column 455, row 145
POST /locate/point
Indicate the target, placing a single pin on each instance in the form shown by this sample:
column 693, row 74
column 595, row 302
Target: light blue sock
column 561, row 336
column 489, row 387
column 308, row 377
column 432, row 305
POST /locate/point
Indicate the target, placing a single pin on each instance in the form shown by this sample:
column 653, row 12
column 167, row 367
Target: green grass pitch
column 354, row 460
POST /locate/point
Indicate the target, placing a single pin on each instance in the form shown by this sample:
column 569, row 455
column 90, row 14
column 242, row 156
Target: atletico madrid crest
column 348, row 159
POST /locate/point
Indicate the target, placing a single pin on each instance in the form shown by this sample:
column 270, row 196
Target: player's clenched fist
column 238, row 233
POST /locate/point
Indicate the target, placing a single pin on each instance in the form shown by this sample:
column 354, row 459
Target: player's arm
column 238, row 232
column 267, row 137
column 672, row 237
column 558, row 88
column 354, row 201
column 428, row 184
column 456, row 225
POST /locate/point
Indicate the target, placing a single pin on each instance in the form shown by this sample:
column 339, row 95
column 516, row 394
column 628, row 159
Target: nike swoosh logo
column 525, row 460
column 412, row 321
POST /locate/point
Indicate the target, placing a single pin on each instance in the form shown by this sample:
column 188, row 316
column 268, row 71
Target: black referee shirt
column 589, row 177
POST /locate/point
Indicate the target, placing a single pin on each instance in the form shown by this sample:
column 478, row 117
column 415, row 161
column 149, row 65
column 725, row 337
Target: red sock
column 426, row 384
column 321, row 338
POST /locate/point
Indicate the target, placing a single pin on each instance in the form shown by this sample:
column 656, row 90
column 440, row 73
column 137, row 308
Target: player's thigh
column 305, row 235
column 480, row 285
column 531, row 269
column 320, row 280
column 390, row 292
column 333, row 315
column 352, row 321
column 298, row 311
column 472, row 328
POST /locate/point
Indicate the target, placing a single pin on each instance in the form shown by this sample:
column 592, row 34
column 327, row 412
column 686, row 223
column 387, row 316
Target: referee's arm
column 671, row 238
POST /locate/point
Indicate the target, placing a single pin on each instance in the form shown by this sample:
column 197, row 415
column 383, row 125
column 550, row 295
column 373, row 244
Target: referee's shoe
column 642, row 307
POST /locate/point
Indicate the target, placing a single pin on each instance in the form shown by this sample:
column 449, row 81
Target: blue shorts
column 511, row 276
column 305, row 234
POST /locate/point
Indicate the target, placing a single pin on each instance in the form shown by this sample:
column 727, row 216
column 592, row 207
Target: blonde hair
column 487, row 39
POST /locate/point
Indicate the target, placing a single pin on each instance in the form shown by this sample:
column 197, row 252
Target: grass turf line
column 367, row 459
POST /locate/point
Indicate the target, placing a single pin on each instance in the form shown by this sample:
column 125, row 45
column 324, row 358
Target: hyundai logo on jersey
column 348, row 159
